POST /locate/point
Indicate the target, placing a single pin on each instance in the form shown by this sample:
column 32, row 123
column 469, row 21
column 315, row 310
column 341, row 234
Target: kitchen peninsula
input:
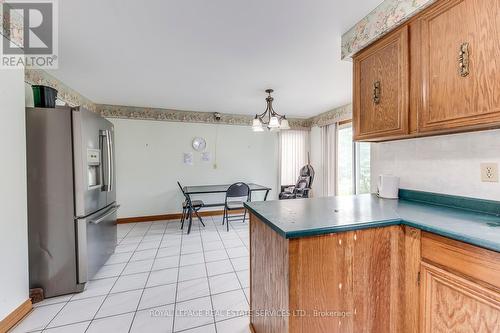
column 364, row 264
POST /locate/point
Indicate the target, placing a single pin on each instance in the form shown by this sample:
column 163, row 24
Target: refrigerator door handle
column 103, row 217
column 108, row 178
column 111, row 162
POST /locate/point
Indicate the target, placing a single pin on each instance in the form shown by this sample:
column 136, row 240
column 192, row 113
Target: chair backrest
column 302, row 184
column 306, row 174
column 238, row 190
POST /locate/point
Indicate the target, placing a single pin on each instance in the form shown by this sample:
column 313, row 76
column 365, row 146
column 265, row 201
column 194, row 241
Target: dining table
column 192, row 190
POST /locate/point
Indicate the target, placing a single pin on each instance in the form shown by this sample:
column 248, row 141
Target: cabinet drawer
column 477, row 263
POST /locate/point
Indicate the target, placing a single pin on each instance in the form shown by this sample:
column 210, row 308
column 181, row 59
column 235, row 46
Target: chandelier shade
column 270, row 119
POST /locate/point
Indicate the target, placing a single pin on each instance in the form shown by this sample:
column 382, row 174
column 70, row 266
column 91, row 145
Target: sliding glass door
column 345, row 160
column 362, row 166
column 353, row 163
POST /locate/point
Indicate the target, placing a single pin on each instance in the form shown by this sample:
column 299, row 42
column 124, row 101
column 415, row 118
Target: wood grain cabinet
column 453, row 72
column 378, row 275
column 389, row 279
column 348, row 282
column 458, row 62
column 380, row 108
column 454, row 304
column 460, row 287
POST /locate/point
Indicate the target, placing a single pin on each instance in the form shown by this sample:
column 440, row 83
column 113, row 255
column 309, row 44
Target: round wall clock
column 199, row 144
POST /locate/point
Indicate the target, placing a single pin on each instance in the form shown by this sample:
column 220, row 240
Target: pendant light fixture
column 270, row 118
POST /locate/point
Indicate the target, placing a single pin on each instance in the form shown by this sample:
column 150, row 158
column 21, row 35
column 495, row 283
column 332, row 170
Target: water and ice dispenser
column 94, row 168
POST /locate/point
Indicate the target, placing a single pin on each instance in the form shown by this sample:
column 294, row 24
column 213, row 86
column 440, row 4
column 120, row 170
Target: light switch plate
column 489, row 172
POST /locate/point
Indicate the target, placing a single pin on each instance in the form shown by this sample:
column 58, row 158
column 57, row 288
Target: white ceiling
column 209, row 55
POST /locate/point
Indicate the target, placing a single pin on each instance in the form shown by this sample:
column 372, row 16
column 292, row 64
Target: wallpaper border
column 387, row 16
column 64, row 93
column 159, row 114
column 73, row 98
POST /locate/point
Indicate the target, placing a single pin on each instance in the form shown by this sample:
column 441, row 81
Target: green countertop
column 317, row 216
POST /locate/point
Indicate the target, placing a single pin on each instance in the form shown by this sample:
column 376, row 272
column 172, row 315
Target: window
column 294, row 146
column 353, row 163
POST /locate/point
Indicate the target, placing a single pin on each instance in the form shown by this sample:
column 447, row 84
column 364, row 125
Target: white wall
column 13, row 223
column 444, row 164
column 150, row 160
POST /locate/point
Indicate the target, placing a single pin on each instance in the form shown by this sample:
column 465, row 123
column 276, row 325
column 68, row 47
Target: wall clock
column 199, row 144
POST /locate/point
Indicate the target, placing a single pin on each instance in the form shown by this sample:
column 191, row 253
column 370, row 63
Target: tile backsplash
column 448, row 164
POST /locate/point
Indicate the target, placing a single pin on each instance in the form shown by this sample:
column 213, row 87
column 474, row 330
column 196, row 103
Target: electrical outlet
column 489, row 172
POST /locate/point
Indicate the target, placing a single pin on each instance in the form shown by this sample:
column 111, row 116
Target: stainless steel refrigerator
column 72, row 207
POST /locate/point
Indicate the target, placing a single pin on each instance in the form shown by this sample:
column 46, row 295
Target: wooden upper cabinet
column 438, row 73
column 458, row 65
column 381, row 76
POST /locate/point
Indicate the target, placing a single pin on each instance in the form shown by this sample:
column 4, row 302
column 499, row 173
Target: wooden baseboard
column 15, row 316
column 147, row 218
column 174, row 216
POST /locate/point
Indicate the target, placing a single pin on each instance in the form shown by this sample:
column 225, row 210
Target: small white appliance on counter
column 388, row 187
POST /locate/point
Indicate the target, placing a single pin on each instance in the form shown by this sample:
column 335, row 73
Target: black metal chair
column 302, row 186
column 188, row 208
column 239, row 192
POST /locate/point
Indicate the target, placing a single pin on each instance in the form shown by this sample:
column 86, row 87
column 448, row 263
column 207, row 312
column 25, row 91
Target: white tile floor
column 160, row 280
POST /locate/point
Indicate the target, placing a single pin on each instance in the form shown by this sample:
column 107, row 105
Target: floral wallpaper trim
column 73, row 98
column 64, row 93
column 333, row 116
column 140, row 113
column 387, row 16
column 15, row 34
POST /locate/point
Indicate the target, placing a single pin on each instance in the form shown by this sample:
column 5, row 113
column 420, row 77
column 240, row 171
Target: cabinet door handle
column 463, row 60
column 376, row 92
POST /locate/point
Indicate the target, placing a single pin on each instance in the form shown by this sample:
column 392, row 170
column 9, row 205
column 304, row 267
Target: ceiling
column 209, row 55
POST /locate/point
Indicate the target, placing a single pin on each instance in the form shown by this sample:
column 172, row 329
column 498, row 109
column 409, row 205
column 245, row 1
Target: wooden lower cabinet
column 451, row 303
column 322, row 264
column 389, row 279
column 460, row 287
column 343, row 282
column 378, row 278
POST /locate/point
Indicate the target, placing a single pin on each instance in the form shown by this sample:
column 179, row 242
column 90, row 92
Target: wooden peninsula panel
column 321, row 283
column 378, row 278
column 268, row 278
column 356, row 281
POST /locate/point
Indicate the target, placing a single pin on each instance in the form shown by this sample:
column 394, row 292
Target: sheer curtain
column 293, row 147
column 328, row 159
